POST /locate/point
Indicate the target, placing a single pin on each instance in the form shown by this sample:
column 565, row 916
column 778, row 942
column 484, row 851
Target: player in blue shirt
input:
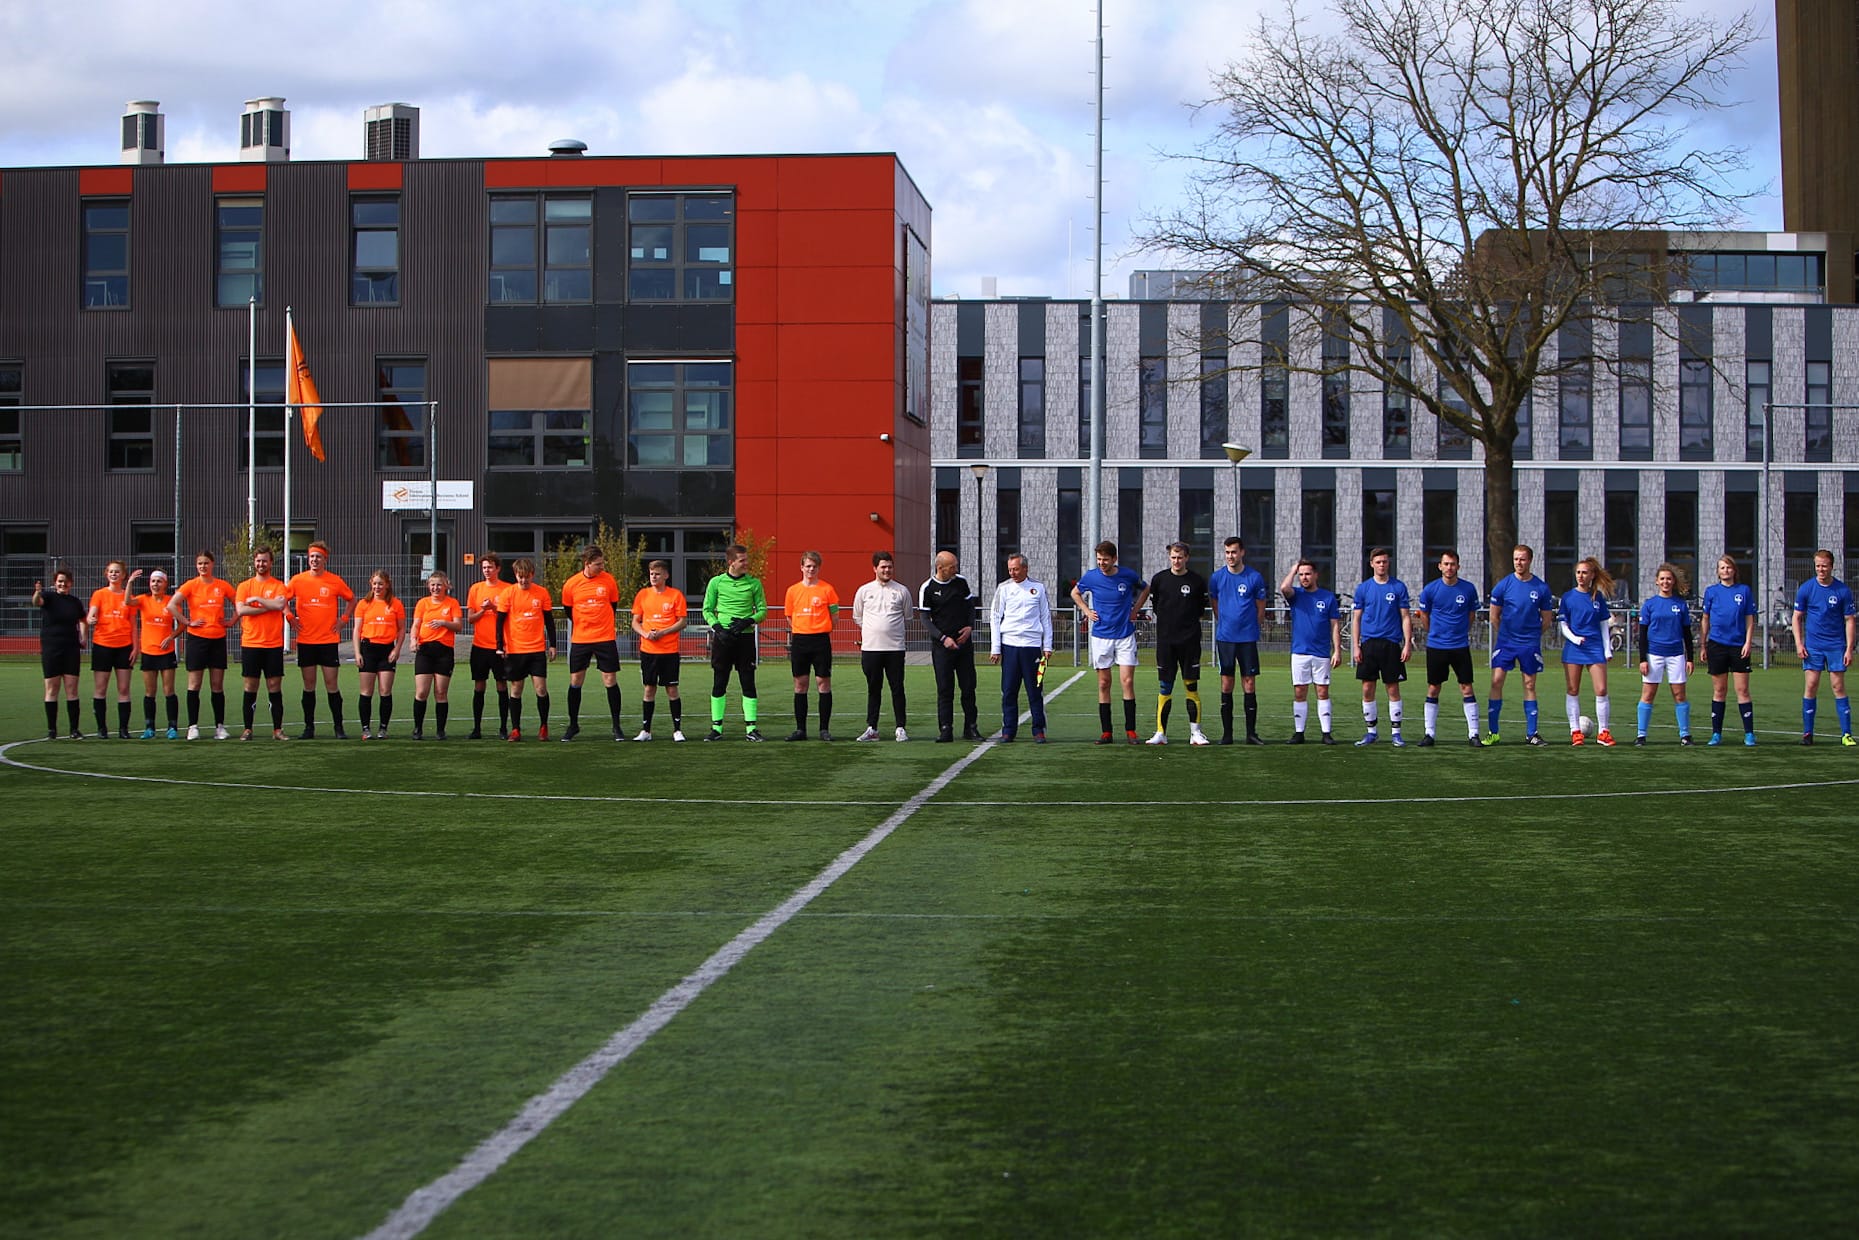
column 1444, row 612
column 1520, row 612
column 1316, row 646
column 1109, row 597
column 1823, row 615
column 1239, row 611
column 1729, row 629
column 1381, row 634
column 1665, row 651
column 1582, row 616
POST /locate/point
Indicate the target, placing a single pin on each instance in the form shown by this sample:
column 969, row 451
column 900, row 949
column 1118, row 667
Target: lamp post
column 1234, row 455
column 980, row 472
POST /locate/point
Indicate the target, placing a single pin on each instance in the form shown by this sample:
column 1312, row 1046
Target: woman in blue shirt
column 1582, row 616
column 1666, row 651
column 1729, row 627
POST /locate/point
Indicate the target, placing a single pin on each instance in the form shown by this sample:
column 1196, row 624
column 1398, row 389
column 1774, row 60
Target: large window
column 542, row 248
column 1819, row 419
column 1560, row 536
column 374, row 251
column 695, row 555
column 12, row 433
column 106, row 255
column 1335, row 395
column 131, row 390
column 539, row 439
column 1152, row 409
column 1455, row 444
column 1747, row 271
column 400, row 419
column 1130, row 520
column 1070, row 549
column 1741, row 518
column 1006, row 521
column 1694, row 410
column 1800, row 532
column 1032, row 407
column 969, row 407
column 1397, row 413
column 1439, row 521
column 1256, row 508
column 681, row 247
column 1197, row 522
column 1320, row 533
column 268, row 418
column 1275, row 383
column 1378, row 518
column 1523, row 448
column 678, row 415
column 1758, row 381
column 1635, row 409
column 1621, row 532
column 948, row 511
column 1213, row 406
column 240, row 226
column 1575, row 404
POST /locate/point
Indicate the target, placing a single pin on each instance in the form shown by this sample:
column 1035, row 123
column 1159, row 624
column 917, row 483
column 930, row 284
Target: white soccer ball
column 1586, row 724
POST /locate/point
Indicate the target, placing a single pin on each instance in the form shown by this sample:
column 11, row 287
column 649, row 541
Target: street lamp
column 980, row 472
column 1234, row 455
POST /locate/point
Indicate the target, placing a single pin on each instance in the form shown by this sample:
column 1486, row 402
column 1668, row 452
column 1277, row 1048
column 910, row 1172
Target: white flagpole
column 251, row 422
column 290, row 371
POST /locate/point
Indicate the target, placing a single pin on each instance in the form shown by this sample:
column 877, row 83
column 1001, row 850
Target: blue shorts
column 1589, row 652
column 1815, row 661
column 1529, row 662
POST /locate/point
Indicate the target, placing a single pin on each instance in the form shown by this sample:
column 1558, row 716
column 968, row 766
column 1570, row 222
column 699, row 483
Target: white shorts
column 1113, row 651
column 1667, row 667
column 1309, row 669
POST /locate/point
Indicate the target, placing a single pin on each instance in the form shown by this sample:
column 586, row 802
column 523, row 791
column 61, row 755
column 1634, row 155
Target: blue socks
column 1529, row 718
column 1645, row 717
column 1845, row 708
column 1493, row 708
column 1683, row 710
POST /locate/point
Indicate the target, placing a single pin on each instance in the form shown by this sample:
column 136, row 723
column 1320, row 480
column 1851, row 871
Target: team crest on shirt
column 1677, row 608
column 1459, row 599
column 1184, row 591
column 1244, row 590
column 1322, row 606
column 1032, row 594
column 1388, row 597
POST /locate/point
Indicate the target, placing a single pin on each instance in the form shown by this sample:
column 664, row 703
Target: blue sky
column 987, row 102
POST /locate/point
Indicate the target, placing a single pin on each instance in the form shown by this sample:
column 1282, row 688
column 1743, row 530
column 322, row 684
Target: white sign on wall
column 396, row 496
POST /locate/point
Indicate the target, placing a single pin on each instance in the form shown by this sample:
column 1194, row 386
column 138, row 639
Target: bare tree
column 1448, row 184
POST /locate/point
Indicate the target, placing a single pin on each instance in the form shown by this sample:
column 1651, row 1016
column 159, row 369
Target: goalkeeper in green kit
column 733, row 605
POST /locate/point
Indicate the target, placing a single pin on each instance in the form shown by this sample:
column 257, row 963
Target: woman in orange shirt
column 437, row 620
column 380, row 627
column 112, row 648
column 156, row 645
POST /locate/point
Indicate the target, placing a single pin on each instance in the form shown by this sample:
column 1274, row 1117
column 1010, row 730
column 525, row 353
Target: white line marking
column 425, row 1204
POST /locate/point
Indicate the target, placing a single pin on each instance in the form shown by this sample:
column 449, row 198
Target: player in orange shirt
column 156, row 646
column 380, row 628
column 260, row 602
column 112, row 648
column 316, row 597
column 590, row 597
column 811, row 607
column 200, row 605
column 659, row 615
column 526, row 637
column 486, row 661
column 437, row 619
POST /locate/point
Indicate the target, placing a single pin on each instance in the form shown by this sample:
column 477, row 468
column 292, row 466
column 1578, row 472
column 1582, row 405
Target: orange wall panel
column 838, row 181
column 92, row 181
column 838, row 238
column 757, row 294
column 756, row 179
column 377, row 175
column 851, row 351
column 839, row 295
column 757, row 352
column 757, row 238
column 239, row 179
column 824, row 407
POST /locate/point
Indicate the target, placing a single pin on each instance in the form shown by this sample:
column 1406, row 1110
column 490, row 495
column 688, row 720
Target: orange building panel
column 851, row 351
column 838, row 238
column 838, row 295
column 838, row 182
column 377, row 175
column 93, row 182
column 812, row 407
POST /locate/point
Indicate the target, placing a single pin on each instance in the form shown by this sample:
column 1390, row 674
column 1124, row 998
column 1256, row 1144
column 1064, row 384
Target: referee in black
column 948, row 608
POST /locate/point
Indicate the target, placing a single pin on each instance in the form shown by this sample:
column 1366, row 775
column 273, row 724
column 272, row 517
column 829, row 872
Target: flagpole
column 251, row 423
column 290, row 363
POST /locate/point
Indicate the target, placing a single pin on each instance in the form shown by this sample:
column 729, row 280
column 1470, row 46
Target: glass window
column 1800, row 535
column 1152, row 408
column 1197, row 528
column 268, row 418
column 1320, row 534
column 678, row 415
column 1681, row 534
column 1378, row 521
column 1335, row 396
column 680, row 247
column 1636, row 409
column 1256, row 508
column 1819, row 412
column 1084, row 407
column 1576, row 405
column 400, row 419
column 1454, row 444
column 949, row 519
column 568, row 248
column 106, row 255
column 1275, row 383
column 1071, row 541
column 968, row 407
column 1694, row 410
column 131, row 388
column 240, row 225
column 695, row 555
column 1006, row 528
column 1130, row 525
column 374, row 251
column 1560, row 538
column 1741, row 511
column 1213, row 406
column 513, row 248
column 539, row 439
column 1621, row 521
column 1757, row 379
column 1033, row 407
column 1397, row 420
column 1439, row 526
column 12, row 433
column 1523, row 448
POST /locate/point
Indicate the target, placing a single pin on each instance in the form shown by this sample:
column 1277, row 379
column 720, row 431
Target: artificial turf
column 1080, row 992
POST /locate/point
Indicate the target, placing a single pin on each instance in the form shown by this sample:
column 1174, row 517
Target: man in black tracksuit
column 948, row 608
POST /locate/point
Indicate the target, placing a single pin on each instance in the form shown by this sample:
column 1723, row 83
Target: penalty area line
column 426, row 1203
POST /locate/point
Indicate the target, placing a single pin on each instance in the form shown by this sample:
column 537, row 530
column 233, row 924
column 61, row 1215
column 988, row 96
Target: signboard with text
column 396, row 496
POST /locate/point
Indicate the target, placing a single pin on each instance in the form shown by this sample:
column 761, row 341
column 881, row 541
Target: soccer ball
column 1586, row 724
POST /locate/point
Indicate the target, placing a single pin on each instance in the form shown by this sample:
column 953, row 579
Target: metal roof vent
column 567, row 148
column 264, row 131
column 391, row 131
column 144, row 132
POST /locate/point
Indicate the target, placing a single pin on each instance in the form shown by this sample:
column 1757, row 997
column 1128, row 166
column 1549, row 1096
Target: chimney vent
column 567, row 148
column 391, row 131
column 144, row 132
column 264, row 132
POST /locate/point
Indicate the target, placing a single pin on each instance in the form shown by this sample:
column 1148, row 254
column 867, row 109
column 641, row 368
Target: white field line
column 425, row 1204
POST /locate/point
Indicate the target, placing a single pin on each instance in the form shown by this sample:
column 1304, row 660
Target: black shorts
column 810, row 654
column 205, row 652
column 517, row 666
column 319, row 654
column 256, row 661
column 109, row 658
column 658, row 669
column 485, row 664
column 1721, row 660
column 374, row 656
column 1178, row 657
column 603, row 655
column 1241, row 655
column 1381, row 660
column 159, row 662
column 59, row 662
column 434, row 659
column 732, row 652
column 1441, row 663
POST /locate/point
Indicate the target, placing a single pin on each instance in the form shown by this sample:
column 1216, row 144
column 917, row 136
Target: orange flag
column 300, row 390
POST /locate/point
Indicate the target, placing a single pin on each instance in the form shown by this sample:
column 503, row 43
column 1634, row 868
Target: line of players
column 514, row 641
column 1382, row 626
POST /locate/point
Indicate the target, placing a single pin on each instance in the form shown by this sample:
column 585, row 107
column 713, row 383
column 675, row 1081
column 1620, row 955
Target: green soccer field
column 261, row 989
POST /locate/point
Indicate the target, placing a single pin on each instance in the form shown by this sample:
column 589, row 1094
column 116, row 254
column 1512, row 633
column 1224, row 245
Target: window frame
column 539, row 434
column 1817, row 414
column 129, row 438
column 269, row 417
column 370, row 277
column 12, row 421
column 224, row 234
column 96, row 279
column 539, row 263
column 681, row 227
column 390, row 396
column 1152, row 409
column 682, row 385
column 1635, row 379
column 1032, row 408
column 970, row 407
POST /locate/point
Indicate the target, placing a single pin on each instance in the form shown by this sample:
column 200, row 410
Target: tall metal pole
column 177, row 495
column 1762, row 555
column 1095, row 490
column 251, row 423
column 432, row 481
